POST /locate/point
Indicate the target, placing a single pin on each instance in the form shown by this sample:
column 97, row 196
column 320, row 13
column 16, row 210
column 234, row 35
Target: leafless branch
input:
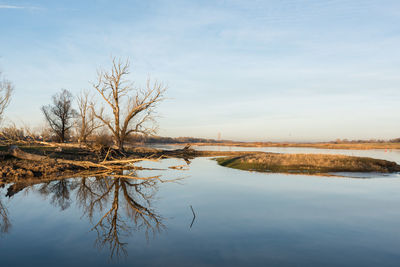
column 132, row 109
column 87, row 120
column 6, row 89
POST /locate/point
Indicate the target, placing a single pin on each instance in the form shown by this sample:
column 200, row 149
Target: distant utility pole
column 219, row 136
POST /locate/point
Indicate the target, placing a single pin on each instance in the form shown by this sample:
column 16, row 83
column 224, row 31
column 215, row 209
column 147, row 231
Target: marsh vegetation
column 307, row 163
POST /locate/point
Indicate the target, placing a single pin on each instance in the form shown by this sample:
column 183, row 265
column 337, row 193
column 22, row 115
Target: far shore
column 326, row 145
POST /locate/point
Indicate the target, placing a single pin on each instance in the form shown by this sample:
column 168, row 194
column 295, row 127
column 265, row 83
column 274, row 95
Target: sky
column 272, row 70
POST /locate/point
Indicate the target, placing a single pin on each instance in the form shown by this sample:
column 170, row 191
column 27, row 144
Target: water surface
column 242, row 219
column 387, row 154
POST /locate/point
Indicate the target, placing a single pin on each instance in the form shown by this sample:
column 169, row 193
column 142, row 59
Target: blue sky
column 284, row 70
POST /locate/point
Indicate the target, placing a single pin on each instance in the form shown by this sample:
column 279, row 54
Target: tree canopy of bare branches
column 60, row 114
column 6, row 89
column 87, row 122
column 130, row 109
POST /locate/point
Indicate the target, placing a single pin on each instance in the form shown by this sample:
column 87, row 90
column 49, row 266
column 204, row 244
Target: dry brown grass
column 308, row 163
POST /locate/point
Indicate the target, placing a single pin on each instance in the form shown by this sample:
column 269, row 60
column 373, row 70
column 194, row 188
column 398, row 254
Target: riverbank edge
column 67, row 161
column 30, row 162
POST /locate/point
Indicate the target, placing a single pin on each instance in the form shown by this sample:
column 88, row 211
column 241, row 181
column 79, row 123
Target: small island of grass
column 307, row 163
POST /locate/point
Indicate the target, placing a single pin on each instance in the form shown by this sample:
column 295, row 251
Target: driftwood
column 179, row 167
column 108, row 165
column 18, row 153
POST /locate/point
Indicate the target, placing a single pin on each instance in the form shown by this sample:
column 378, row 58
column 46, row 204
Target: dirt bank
column 16, row 168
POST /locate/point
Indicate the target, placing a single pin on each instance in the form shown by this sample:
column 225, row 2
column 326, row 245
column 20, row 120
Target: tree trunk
column 120, row 144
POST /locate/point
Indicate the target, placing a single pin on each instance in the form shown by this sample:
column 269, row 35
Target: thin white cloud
column 17, row 7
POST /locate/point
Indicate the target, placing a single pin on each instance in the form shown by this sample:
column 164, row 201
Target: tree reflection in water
column 116, row 207
column 108, row 196
column 5, row 223
column 60, row 192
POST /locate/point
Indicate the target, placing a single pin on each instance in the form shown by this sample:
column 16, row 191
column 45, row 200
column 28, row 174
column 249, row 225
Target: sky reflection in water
column 242, row 219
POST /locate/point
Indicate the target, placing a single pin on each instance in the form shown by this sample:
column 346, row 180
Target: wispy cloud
column 17, row 7
column 265, row 70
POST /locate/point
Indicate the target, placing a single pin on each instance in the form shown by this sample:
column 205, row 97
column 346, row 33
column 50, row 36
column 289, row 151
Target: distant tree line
column 171, row 140
column 346, row 141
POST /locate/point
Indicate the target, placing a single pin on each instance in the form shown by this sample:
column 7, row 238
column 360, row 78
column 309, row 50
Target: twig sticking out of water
column 194, row 216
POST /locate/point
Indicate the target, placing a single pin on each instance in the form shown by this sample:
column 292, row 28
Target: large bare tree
column 87, row 122
column 6, row 89
column 60, row 114
column 129, row 109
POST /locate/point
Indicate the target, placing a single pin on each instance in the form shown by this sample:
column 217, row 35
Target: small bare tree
column 132, row 108
column 6, row 89
column 87, row 122
column 60, row 114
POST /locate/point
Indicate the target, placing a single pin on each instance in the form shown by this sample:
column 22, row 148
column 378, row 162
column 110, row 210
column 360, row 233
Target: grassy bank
column 307, row 163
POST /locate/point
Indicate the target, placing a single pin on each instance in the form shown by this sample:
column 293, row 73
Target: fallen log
column 18, row 153
column 108, row 165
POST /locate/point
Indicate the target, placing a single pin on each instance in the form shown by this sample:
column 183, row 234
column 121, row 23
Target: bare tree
column 6, row 89
column 132, row 108
column 60, row 113
column 87, row 123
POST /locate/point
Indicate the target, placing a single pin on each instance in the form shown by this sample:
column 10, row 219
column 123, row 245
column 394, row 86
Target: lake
column 207, row 215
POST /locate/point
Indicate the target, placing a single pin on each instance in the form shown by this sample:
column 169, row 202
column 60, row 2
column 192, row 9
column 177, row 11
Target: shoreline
column 322, row 145
column 33, row 162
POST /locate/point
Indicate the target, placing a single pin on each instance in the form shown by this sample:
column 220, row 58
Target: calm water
column 389, row 154
column 242, row 219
